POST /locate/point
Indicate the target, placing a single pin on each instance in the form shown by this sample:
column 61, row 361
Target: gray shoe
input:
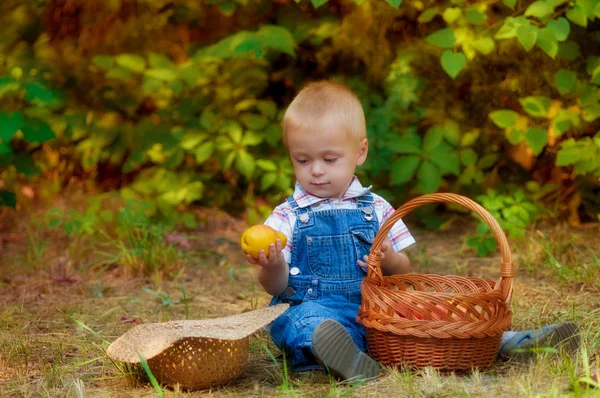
column 337, row 353
column 524, row 345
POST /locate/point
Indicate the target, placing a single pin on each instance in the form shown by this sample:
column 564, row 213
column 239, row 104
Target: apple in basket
column 259, row 237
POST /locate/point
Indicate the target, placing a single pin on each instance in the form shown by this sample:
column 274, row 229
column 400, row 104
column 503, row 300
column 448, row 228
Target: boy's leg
column 522, row 345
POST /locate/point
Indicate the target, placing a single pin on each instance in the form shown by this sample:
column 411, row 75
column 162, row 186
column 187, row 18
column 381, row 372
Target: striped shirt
column 283, row 218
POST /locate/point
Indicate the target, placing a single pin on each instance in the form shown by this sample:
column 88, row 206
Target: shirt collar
column 305, row 199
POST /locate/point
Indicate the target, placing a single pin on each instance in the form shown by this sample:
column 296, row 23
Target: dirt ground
column 46, row 295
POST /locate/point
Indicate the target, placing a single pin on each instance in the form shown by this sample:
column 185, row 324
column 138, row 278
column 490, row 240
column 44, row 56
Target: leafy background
column 177, row 103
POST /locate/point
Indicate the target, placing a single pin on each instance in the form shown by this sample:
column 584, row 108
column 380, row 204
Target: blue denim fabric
column 326, row 284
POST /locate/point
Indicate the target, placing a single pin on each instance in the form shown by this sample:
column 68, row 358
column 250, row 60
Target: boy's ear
column 363, row 150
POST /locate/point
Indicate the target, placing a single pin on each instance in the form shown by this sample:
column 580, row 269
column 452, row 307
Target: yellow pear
column 258, row 238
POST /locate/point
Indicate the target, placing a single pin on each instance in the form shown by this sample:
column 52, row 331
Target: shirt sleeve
column 280, row 221
column 399, row 235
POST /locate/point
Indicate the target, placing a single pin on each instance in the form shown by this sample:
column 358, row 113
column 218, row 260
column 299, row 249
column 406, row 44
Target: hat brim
column 149, row 340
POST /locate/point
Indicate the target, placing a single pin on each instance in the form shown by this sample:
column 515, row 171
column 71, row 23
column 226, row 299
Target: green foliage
column 514, row 212
column 182, row 103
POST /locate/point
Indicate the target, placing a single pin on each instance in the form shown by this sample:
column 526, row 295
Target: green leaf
column 131, row 62
column 446, row 158
column 536, row 139
column 433, row 138
column 515, row 136
column 577, row 16
column 164, row 74
column 252, row 138
column 510, row 3
column 253, row 122
column 403, row 169
column 428, row 15
column 267, row 181
column 508, row 30
column 591, row 113
column 442, row 38
column 37, row 131
column 451, row 131
column 245, row 163
column 451, row 14
column 277, row 38
column 24, row 164
column 228, row 160
column 233, row 129
column 467, row 156
column 527, row 36
column 227, row 8
column 504, row 118
column 453, row 63
column 6, row 154
column 119, row 73
column 547, row 42
column 569, row 153
column 563, row 121
column 536, row 106
column 476, row 17
column 485, row 45
column 158, row 60
column 204, row 151
column 469, row 138
column 429, row 177
column 569, row 50
column 394, row 3
column 539, row 9
column 565, row 80
column 410, row 143
column 267, row 165
column 103, row 61
column 560, row 27
column 7, row 198
column 136, row 158
column 10, row 123
column 318, row 3
column 36, row 93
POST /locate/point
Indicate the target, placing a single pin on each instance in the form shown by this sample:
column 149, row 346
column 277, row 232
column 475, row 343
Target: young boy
column 330, row 222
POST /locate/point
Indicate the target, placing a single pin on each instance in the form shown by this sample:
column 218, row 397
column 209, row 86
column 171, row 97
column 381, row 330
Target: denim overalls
column 324, row 280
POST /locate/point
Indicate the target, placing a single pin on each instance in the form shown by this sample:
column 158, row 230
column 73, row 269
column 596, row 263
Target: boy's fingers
column 272, row 252
column 251, row 259
column 262, row 257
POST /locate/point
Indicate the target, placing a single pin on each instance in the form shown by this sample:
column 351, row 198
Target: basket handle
column 507, row 271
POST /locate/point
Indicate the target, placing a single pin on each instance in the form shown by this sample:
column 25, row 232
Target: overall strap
column 303, row 214
column 366, row 203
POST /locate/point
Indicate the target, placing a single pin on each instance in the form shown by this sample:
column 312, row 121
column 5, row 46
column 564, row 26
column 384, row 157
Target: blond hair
column 325, row 99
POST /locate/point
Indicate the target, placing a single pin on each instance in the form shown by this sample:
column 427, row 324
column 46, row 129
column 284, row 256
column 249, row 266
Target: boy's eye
column 330, row 160
column 302, row 161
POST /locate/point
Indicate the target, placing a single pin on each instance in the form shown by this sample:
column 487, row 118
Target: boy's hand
column 392, row 262
column 385, row 246
column 275, row 256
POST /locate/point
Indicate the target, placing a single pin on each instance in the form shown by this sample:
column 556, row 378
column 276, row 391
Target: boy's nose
column 317, row 169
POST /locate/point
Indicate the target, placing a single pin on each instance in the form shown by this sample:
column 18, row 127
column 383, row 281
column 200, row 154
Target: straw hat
column 194, row 354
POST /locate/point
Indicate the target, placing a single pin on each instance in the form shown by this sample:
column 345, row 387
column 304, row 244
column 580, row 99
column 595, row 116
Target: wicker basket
column 451, row 323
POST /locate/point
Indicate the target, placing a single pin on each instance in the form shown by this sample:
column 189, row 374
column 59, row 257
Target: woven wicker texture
column 198, row 363
column 197, row 353
column 447, row 322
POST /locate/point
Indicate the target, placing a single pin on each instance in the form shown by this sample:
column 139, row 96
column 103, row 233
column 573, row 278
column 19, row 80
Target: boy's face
column 324, row 158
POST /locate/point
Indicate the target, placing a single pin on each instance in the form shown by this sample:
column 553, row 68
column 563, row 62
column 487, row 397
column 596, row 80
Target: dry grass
column 47, row 283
